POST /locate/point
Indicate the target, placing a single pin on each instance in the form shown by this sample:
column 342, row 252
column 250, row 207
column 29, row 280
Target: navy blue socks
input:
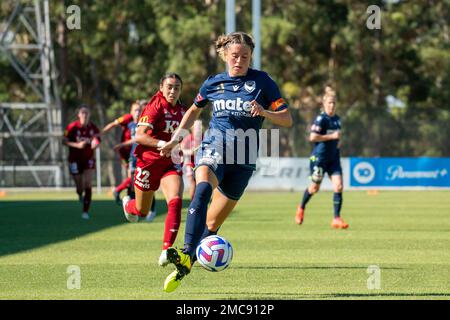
column 196, row 217
column 337, row 203
column 306, row 197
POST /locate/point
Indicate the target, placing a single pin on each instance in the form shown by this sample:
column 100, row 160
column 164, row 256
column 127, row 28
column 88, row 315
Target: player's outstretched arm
column 124, row 144
column 186, row 123
column 77, row 145
column 146, row 140
column 315, row 137
column 109, row 126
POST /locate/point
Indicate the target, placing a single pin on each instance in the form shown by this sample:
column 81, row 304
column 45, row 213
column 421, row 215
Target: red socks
column 173, row 220
column 130, row 207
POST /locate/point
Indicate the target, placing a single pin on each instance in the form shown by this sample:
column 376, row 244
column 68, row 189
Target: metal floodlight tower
column 30, row 131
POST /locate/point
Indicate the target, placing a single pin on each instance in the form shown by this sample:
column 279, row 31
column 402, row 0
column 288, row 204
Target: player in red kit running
column 157, row 122
column 124, row 151
column 82, row 138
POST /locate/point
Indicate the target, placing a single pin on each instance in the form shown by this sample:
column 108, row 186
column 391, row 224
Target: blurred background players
column 132, row 126
column 126, row 122
column 158, row 121
column 325, row 158
column 82, row 138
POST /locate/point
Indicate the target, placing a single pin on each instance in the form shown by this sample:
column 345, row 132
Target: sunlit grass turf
column 405, row 234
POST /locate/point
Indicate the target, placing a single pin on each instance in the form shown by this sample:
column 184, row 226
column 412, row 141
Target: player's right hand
column 336, row 135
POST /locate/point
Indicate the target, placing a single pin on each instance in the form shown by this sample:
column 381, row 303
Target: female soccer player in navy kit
column 241, row 98
column 82, row 138
column 325, row 158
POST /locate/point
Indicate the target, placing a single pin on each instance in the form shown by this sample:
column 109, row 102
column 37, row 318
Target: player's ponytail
column 329, row 92
column 233, row 38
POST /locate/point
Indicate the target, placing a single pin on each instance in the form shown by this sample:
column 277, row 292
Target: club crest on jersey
column 221, row 88
column 235, row 87
column 250, row 86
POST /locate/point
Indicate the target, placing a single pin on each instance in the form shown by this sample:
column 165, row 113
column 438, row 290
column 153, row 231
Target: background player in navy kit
column 325, row 158
column 241, row 98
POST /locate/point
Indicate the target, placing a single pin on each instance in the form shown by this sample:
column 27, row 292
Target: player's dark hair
column 233, row 38
column 170, row 75
column 85, row 106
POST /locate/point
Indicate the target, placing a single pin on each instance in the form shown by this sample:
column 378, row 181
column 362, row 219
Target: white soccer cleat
column 85, row 216
column 163, row 259
column 151, row 216
column 130, row 217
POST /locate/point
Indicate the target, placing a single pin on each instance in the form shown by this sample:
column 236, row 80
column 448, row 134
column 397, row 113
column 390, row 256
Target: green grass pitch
column 405, row 234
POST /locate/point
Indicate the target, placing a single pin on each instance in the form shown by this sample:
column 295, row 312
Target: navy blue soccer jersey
column 132, row 126
column 230, row 98
column 324, row 124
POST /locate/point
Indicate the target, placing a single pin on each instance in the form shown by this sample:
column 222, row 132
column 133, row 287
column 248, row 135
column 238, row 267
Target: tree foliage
column 124, row 47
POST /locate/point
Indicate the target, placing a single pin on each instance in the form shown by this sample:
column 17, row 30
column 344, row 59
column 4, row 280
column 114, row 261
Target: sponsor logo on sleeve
column 143, row 119
column 198, row 98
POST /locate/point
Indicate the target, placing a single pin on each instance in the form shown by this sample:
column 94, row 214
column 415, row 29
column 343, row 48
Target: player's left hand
column 257, row 109
column 166, row 149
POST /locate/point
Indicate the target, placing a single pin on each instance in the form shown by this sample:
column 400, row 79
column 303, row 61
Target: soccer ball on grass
column 214, row 253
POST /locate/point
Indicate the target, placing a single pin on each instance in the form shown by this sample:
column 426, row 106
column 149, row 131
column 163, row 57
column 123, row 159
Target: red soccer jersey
column 75, row 132
column 124, row 121
column 163, row 119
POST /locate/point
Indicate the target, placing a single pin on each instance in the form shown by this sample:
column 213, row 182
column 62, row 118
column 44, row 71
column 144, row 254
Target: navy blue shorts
column 233, row 178
column 318, row 167
column 132, row 163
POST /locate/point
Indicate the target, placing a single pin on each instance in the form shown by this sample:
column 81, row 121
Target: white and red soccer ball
column 214, row 253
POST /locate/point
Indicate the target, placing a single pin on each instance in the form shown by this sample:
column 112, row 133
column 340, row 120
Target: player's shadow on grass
column 26, row 225
column 300, row 267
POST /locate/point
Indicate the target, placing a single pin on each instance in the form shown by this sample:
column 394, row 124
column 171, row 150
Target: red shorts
column 147, row 176
column 78, row 167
